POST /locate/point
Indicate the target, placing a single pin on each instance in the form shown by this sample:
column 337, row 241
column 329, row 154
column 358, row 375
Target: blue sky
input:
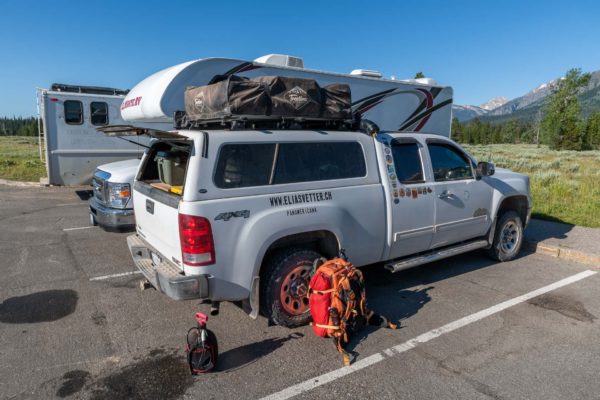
column 481, row 48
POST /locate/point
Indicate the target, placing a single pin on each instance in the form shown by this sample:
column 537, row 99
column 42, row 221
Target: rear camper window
column 407, row 162
column 99, row 113
column 245, row 165
column 165, row 166
column 73, row 112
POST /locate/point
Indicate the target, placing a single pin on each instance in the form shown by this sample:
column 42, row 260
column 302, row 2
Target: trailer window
column 407, row 161
column 99, row 113
column 244, row 165
column 73, row 112
column 306, row 162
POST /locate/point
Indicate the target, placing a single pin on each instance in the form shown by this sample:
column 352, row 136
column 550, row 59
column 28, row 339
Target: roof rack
column 241, row 122
column 61, row 87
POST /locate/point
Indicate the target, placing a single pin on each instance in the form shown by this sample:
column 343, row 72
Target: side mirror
column 485, row 169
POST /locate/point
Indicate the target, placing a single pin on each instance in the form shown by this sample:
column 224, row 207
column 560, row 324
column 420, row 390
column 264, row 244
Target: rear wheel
column 284, row 287
column 508, row 237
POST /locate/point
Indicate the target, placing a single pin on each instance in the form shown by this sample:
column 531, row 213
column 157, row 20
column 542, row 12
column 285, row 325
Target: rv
column 70, row 146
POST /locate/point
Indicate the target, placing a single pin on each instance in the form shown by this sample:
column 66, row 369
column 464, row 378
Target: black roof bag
column 235, row 97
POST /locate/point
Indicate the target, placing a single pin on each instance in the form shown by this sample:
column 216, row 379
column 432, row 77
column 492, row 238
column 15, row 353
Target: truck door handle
column 444, row 195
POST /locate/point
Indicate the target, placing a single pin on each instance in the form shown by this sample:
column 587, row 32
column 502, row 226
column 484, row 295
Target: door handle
column 444, row 195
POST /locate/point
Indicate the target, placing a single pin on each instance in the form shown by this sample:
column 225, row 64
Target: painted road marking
column 424, row 338
column 103, row 277
column 76, row 229
column 71, row 204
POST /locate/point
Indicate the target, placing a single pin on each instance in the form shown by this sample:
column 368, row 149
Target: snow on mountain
column 494, row 103
column 465, row 113
column 529, row 98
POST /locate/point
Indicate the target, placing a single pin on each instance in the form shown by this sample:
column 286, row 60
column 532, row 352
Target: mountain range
column 527, row 107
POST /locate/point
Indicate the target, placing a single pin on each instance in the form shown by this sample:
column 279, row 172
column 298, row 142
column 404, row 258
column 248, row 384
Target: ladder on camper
column 40, row 125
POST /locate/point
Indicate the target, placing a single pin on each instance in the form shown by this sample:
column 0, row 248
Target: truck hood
column 504, row 173
column 509, row 182
column 121, row 171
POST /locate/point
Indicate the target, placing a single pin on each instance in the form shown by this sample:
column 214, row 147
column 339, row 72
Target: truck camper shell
column 394, row 105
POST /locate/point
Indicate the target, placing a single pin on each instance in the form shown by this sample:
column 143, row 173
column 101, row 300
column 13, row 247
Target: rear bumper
column 166, row 277
column 111, row 217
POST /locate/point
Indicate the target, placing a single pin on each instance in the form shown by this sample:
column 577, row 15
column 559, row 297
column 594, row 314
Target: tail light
column 197, row 245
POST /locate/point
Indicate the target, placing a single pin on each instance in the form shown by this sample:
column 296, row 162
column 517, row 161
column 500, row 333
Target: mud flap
column 254, row 300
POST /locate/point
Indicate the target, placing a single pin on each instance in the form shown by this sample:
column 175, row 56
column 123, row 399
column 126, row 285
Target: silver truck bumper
column 111, row 217
column 166, row 277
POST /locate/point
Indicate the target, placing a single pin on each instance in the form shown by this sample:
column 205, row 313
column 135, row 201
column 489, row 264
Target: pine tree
column 562, row 127
column 592, row 130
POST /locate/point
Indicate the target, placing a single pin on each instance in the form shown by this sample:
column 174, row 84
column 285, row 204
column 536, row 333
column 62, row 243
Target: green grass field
column 20, row 160
column 565, row 184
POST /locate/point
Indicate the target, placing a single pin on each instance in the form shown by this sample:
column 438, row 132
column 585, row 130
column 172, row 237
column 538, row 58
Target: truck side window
column 307, row 162
column 73, row 112
column 448, row 163
column 407, row 162
column 244, row 165
column 99, row 113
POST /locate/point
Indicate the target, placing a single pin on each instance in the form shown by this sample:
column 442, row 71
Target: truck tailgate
column 156, row 214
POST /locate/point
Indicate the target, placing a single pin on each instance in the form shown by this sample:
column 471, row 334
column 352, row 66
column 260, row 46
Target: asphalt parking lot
column 74, row 324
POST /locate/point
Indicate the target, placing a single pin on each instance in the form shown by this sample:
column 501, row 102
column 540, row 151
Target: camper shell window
column 99, row 113
column 246, row 165
column 73, row 112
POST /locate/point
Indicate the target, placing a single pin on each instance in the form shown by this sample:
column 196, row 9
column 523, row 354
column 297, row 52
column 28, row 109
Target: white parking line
column 76, row 229
column 71, row 204
column 425, row 337
column 103, row 277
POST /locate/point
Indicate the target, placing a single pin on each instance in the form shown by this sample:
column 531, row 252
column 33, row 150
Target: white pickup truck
column 240, row 215
column 111, row 206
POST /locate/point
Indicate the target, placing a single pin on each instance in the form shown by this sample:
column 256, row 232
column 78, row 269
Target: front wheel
column 284, row 287
column 508, row 237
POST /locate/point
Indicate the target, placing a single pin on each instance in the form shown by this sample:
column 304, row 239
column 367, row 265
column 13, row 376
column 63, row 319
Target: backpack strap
column 334, row 327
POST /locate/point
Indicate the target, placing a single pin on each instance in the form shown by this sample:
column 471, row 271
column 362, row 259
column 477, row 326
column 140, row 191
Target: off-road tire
column 271, row 280
column 508, row 237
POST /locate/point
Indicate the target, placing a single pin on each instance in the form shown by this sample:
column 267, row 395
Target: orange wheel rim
column 294, row 289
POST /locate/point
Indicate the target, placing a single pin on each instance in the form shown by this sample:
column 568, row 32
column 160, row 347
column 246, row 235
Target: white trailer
column 70, row 146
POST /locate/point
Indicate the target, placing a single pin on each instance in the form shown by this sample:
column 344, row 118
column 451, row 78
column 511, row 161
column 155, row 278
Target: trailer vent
column 282, row 60
column 366, row 72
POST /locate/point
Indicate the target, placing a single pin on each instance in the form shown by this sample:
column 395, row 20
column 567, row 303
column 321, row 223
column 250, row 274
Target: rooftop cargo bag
column 234, row 96
column 292, row 97
column 337, row 101
column 267, row 97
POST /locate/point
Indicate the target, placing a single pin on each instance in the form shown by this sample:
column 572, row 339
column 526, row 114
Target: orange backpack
column 338, row 303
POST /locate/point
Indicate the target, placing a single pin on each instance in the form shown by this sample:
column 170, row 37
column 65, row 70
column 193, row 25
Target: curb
column 20, row 183
column 560, row 252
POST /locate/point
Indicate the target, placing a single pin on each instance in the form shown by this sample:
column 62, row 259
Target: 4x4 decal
column 226, row 216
